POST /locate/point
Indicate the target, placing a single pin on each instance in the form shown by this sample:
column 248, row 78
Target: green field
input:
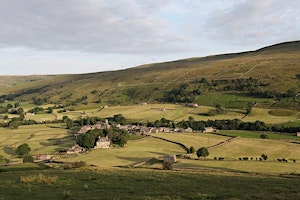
column 252, row 134
column 41, row 139
column 175, row 112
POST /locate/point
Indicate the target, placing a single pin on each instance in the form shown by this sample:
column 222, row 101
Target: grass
column 38, row 179
column 108, row 183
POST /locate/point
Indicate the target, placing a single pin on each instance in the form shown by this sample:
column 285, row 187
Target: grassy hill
column 273, row 69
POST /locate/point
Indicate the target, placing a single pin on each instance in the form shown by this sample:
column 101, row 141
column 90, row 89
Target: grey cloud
column 127, row 26
column 255, row 21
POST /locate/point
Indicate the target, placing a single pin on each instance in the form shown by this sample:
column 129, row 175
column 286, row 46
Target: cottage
column 189, row 130
column 102, row 143
column 75, row 150
column 193, row 105
column 209, row 130
column 43, row 157
column 170, row 159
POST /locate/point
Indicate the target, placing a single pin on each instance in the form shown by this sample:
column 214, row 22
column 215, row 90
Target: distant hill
column 272, row 71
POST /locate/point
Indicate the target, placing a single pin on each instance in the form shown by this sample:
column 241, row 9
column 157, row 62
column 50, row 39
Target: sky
column 82, row 36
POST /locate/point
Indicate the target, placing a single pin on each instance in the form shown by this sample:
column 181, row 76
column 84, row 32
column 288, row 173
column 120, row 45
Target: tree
column 9, row 106
column 17, row 104
column 70, row 124
column 23, row 149
column 192, row 149
column 202, row 152
column 50, row 110
column 249, row 108
column 264, row 156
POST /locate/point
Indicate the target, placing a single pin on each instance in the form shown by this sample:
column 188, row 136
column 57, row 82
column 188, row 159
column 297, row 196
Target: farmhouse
column 102, row 143
column 170, row 159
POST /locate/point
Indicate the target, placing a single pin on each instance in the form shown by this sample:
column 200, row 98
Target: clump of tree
column 219, row 110
column 36, row 110
column 39, row 101
column 117, row 136
column 23, row 149
column 89, row 139
column 182, row 94
column 264, row 136
column 202, row 152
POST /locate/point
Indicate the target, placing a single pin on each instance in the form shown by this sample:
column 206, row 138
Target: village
column 105, row 142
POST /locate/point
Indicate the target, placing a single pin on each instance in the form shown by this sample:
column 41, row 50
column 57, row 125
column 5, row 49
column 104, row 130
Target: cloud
column 98, row 26
column 254, row 21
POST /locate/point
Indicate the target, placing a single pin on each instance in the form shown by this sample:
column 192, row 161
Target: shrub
column 27, row 158
column 167, row 166
column 192, row 149
column 78, row 164
column 1, row 159
column 264, row 136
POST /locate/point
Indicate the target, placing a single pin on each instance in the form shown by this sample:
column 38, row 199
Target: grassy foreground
column 112, row 183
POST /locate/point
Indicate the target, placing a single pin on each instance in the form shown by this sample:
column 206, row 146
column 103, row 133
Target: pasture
column 135, row 151
column 42, row 139
column 253, row 134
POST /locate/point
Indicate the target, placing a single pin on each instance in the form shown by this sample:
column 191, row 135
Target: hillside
column 268, row 72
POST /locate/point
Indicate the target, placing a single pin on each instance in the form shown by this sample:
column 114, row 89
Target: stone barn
column 170, row 159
